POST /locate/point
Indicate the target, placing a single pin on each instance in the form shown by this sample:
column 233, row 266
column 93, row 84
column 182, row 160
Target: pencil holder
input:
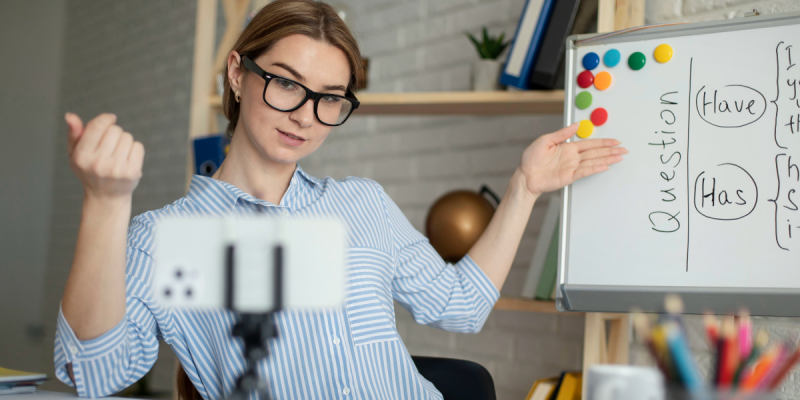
column 679, row 393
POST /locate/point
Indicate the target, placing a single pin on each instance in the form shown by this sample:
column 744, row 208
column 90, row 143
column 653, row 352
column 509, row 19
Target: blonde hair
column 283, row 18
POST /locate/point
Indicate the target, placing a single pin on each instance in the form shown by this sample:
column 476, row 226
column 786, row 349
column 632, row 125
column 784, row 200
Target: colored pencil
column 682, row 358
column 744, row 362
column 783, row 357
column 712, row 329
column 760, row 343
column 643, row 329
column 745, row 335
column 662, row 351
column 760, row 368
column 729, row 354
column 784, row 370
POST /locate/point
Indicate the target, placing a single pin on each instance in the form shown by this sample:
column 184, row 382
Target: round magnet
column 599, row 116
column 611, row 58
column 602, row 81
column 585, row 129
column 591, row 61
column 663, row 53
column 636, row 61
column 583, row 100
column 585, row 79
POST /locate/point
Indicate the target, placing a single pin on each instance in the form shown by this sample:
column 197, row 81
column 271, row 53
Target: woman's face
column 286, row 137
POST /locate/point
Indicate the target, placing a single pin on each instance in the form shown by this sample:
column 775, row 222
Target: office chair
column 457, row 379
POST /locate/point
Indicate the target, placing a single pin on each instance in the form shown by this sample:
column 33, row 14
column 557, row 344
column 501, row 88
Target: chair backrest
column 457, row 379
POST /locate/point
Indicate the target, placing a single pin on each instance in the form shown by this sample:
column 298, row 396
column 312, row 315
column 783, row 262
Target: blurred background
column 135, row 58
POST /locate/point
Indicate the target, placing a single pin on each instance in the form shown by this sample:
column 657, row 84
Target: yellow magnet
column 663, row 53
column 585, row 129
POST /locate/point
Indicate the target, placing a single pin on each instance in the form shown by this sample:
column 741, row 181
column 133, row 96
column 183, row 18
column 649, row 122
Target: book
column 16, row 389
column 542, row 389
column 552, row 214
column 17, row 382
column 526, row 43
column 10, row 376
column 570, row 386
column 547, row 280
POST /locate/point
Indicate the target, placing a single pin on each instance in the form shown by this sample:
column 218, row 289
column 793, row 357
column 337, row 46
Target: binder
column 548, row 63
column 570, row 386
column 526, row 44
column 209, row 153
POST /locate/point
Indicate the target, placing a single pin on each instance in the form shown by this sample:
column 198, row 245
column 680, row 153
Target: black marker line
column 688, row 193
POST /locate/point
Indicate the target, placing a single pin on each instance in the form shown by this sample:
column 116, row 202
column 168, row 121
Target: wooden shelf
column 522, row 304
column 464, row 102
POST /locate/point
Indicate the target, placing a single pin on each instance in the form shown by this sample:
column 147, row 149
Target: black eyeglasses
column 284, row 94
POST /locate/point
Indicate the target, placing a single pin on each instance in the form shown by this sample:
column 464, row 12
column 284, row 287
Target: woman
column 289, row 80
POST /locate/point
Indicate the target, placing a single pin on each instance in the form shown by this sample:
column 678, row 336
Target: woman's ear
column 235, row 72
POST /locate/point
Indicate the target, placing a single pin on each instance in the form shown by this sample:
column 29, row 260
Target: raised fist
column 105, row 158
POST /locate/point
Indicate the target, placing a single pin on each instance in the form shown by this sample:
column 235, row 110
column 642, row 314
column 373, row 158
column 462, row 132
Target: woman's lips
column 291, row 139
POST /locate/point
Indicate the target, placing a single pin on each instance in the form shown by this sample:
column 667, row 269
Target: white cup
column 624, row 382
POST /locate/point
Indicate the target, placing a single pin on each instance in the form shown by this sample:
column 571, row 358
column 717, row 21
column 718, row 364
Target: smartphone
column 230, row 262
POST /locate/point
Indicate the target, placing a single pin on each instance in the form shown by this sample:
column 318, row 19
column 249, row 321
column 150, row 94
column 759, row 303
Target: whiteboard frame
column 782, row 302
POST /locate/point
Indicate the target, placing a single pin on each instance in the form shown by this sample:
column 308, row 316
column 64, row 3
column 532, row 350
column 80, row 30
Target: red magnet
column 599, row 116
column 585, row 79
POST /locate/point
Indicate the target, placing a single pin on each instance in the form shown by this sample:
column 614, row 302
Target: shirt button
column 336, row 340
column 73, row 349
column 285, row 213
column 345, row 391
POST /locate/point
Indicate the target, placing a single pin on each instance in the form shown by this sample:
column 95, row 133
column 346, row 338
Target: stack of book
column 535, row 58
column 14, row 382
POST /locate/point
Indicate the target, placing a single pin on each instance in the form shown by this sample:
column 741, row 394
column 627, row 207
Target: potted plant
column 486, row 71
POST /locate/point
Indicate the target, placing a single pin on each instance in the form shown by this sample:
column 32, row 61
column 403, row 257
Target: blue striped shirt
column 354, row 352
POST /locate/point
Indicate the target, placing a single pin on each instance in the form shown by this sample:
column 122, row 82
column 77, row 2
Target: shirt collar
column 220, row 197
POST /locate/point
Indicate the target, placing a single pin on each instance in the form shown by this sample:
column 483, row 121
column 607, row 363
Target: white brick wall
column 134, row 59
column 788, row 329
column 662, row 11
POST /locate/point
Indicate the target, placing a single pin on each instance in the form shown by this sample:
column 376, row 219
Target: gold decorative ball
column 456, row 221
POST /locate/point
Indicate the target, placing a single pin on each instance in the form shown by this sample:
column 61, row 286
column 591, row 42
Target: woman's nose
column 304, row 115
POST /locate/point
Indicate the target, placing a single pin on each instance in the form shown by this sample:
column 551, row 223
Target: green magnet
column 583, row 100
column 636, row 61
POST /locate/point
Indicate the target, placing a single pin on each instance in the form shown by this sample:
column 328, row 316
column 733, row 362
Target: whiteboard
column 706, row 202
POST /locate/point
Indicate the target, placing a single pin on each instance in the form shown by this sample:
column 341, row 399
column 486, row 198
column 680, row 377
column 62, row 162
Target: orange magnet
column 602, row 80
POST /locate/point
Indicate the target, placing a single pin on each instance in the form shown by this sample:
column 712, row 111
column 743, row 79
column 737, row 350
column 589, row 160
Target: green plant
column 491, row 47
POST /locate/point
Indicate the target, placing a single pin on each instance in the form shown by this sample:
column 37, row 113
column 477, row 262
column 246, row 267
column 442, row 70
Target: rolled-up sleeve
column 118, row 358
column 455, row 297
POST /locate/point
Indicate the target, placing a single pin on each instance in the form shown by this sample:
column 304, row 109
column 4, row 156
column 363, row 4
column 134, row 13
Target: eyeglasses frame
column 310, row 94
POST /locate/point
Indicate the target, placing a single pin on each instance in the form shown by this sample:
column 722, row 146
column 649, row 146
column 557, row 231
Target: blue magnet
column 591, row 61
column 611, row 58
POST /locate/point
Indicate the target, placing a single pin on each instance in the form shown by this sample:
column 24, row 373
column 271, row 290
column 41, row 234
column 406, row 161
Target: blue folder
column 520, row 78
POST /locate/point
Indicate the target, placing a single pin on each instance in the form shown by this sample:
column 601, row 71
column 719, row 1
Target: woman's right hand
column 105, row 158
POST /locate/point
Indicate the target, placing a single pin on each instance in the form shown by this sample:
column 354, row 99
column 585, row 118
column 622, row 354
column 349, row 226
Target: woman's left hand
column 549, row 163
